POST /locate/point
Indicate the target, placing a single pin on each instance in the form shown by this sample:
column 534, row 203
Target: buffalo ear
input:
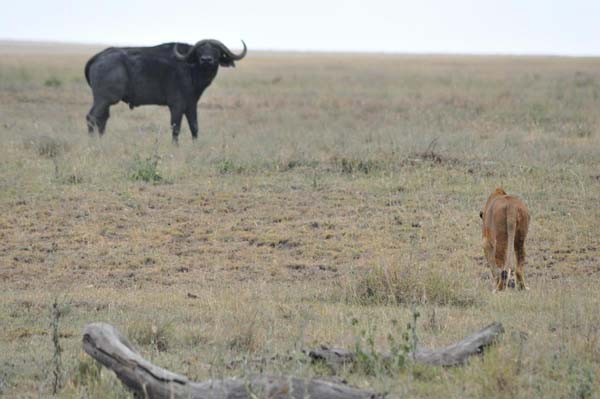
column 481, row 214
column 225, row 61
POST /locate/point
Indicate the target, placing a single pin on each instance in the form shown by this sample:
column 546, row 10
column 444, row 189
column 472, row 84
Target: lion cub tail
column 511, row 228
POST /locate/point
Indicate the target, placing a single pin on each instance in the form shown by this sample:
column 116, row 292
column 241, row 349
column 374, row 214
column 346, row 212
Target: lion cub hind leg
column 511, row 278
column 488, row 251
column 501, row 261
column 520, row 252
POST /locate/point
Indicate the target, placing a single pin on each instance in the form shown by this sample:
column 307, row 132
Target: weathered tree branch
column 453, row 355
column 108, row 346
column 459, row 353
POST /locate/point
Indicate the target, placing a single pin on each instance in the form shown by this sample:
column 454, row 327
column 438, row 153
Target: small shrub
column 87, row 371
column 154, row 334
column 243, row 332
column 89, row 381
column 243, row 341
column 538, row 114
column 583, row 130
column 47, row 146
column 227, row 166
column 53, row 81
column 145, row 169
column 497, row 375
column 285, row 165
column 72, row 178
column 291, row 164
column 582, row 385
column 425, row 373
column 353, row 166
column 244, row 337
column 370, row 361
column 432, row 156
column 410, row 284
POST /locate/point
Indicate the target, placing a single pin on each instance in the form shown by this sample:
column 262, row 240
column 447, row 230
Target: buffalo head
column 210, row 52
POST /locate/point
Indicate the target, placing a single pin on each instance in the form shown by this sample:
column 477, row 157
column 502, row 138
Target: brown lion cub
column 505, row 224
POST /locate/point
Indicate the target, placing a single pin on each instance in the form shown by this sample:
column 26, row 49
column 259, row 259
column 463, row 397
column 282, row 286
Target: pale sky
column 419, row 26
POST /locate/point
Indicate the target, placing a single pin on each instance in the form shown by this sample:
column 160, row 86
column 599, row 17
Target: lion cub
column 505, row 224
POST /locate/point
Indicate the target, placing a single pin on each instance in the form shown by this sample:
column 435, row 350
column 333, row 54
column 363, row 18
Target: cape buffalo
column 172, row 74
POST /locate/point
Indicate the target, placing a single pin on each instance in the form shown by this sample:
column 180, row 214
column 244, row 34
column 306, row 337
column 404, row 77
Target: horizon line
column 46, row 42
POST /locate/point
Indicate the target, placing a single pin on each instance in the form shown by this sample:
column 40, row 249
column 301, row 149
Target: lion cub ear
column 481, row 214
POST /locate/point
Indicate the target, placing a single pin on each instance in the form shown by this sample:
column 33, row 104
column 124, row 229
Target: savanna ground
column 328, row 197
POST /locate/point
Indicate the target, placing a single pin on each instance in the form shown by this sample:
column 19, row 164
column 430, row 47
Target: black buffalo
column 172, row 74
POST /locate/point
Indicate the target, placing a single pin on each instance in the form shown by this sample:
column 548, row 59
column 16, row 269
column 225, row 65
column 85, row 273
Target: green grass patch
column 229, row 167
column 53, row 81
column 145, row 169
column 353, row 166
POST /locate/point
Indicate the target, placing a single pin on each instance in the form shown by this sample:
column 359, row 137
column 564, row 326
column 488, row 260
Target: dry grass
column 323, row 189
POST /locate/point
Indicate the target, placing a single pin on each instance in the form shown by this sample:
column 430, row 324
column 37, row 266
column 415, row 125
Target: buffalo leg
column 97, row 117
column 192, row 117
column 91, row 121
column 102, row 120
column 176, row 115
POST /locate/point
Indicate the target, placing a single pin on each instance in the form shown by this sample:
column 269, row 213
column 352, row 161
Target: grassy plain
column 327, row 195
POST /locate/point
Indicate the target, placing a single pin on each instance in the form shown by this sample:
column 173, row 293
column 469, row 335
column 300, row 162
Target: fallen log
column 108, row 346
column 453, row 355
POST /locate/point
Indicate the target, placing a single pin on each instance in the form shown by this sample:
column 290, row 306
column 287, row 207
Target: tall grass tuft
column 89, row 381
column 156, row 334
column 403, row 283
column 47, row 146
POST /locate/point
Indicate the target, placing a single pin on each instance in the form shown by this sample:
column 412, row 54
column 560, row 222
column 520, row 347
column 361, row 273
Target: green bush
column 145, row 169
column 53, row 81
column 227, row 166
column 402, row 344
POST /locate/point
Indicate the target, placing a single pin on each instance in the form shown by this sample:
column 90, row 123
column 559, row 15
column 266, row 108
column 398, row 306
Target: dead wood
column 453, row 355
column 108, row 346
